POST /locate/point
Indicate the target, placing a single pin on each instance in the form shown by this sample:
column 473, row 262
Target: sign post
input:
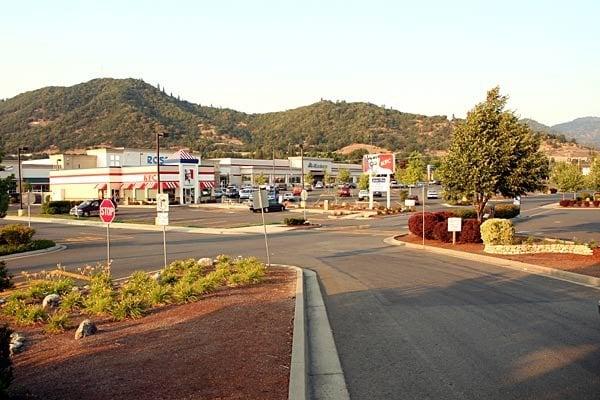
column 107, row 215
column 454, row 225
column 162, row 219
column 379, row 164
column 263, row 202
column 304, row 198
column 30, row 199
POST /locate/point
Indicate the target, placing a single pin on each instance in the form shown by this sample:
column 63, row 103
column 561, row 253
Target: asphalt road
column 407, row 324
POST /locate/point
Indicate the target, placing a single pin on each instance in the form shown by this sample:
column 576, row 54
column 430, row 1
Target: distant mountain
column 537, row 126
column 584, row 130
column 128, row 112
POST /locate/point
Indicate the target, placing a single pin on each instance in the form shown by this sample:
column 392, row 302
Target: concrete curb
column 315, row 371
column 246, row 230
column 53, row 249
column 567, row 276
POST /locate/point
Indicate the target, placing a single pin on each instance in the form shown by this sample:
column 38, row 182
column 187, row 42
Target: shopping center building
column 241, row 171
column 129, row 175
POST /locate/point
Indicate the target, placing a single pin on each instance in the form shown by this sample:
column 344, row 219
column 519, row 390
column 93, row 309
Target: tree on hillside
column 363, row 182
column 567, row 177
column 593, row 179
column 492, row 153
column 343, row 175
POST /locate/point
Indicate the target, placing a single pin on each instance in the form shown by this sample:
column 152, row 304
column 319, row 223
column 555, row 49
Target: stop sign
column 107, row 211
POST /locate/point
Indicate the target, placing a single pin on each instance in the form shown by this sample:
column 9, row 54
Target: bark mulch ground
column 233, row 344
column 585, row 265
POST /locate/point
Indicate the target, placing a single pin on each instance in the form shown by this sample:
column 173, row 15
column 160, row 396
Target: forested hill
column 127, row 112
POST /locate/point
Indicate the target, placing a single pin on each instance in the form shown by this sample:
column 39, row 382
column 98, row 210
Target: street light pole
column 20, row 175
column 158, row 136
column 302, row 165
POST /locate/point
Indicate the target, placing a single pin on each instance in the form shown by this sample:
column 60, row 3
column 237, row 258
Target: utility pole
column 302, row 164
column 20, row 175
column 158, row 136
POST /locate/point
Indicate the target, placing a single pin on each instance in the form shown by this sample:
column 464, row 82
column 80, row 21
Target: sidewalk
column 246, row 230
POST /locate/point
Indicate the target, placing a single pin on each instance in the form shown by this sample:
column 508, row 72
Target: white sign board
column 162, row 202
column 379, row 183
column 410, row 203
column 260, row 200
column 29, row 198
column 162, row 219
column 454, row 224
column 304, row 195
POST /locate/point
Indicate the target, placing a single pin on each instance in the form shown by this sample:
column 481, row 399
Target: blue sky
column 429, row 57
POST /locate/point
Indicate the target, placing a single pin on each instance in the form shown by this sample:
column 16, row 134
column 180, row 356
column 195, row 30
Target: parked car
column 281, row 186
column 319, row 185
column 86, row 208
column 345, row 192
column 433, row 194
column 289, row 196
column 377, row 194
column 218, row 193
column 363, row 195
column 413, row 197
column 232, row 192
column 206, row 192
column 351, row 185
column 395, row 185
column 297, row 190
column 245, row 193
column 273, row 206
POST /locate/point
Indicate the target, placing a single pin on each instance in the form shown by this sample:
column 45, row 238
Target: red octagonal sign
column 107, row 211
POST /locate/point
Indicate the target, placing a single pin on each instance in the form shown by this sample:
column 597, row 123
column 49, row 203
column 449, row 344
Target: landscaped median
column 197, row 329
column 18, row 239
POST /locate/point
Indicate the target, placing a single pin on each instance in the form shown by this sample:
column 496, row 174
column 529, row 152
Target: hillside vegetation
column 127, row 112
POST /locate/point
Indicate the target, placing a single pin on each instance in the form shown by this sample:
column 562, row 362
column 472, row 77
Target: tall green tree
column 493, row 153
column 343, row 175
column 363, row 182
column 593, row 179
column 308, row 178
column 415, row 168
column 568, row 178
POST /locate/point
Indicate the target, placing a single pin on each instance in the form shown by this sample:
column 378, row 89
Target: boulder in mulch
column 51, row 301
column 86, row 328
column 205, row 262
column 17, row 342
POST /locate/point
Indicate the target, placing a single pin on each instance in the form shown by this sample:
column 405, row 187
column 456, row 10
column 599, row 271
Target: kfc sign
column 379, row 164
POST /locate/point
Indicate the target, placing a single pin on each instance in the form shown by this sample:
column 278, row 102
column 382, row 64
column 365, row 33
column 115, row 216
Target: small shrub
column 415, row 224
column 57, row 322
column 252, row 268
column 40, row 289
column 6, row 375
column 586, row 196
column 440, row 232
column 184, row 292
column 58, row 206
column 159, row 294
column 565, row 203
column 553, row 190
column 129, row 306
column 5, row 277
column 470, row 232
column 30, row 314
column 402, row 194
column 16, row 234
column 13, row 307
column 465, row 213
column 497, row 231
column 586, row 203
column 101, row 297
column 71, row 301
column 596, row 203
column 292, row 221
column 506, row 211
column 578, row 203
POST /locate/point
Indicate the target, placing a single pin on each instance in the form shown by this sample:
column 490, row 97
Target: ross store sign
column 154, row 160
column 379, row 164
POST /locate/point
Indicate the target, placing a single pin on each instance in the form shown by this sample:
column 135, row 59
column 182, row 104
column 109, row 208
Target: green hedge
column 294, row 221
column 58, row 206
column 497, row 231
column 41, row 244
column 16, row 234
column 465, row 213
column 506, row 211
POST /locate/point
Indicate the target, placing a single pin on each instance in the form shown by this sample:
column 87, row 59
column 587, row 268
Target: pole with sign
column 304, row 198
column 107, row 215
column 263, row 202
column 162, row 219
column 454, row 225
column 30, row 199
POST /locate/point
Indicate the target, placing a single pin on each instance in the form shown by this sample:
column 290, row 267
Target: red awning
column 127, row 186
column 140, row 185
column 101, row 186
column 164, row 185
column 207, row 184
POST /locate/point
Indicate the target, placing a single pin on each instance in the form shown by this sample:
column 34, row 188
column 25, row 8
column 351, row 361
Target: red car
column 344, row 192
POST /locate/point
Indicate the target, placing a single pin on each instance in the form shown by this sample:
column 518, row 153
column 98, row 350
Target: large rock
column 86, row 328
column 52, row 301
column 206, row 262
column 17, row 343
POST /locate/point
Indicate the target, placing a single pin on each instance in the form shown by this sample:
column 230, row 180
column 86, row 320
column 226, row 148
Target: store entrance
column 189, row 195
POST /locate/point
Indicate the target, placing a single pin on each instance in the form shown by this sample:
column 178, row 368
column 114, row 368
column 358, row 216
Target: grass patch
column 57, row 322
